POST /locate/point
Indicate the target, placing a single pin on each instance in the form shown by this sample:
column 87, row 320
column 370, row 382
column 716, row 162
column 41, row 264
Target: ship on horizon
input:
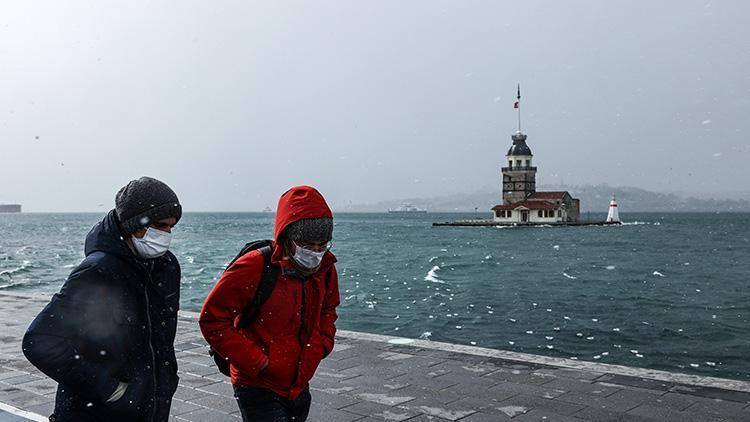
column 407, row 209
column 14, row 208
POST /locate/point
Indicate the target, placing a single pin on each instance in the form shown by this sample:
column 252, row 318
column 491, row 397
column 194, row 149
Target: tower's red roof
column 536, row 196
column 532, row 205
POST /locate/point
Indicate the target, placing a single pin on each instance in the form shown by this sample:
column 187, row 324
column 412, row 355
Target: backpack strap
column 265, row 287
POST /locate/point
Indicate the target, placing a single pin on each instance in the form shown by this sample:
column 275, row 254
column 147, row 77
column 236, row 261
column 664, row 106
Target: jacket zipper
column 300, row 333
column 150, row 347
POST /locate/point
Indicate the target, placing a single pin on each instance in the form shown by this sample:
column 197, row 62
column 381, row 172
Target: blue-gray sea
column 663, row 291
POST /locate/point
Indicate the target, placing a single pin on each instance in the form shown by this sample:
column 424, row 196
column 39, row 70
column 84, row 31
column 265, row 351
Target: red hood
column 297, row 203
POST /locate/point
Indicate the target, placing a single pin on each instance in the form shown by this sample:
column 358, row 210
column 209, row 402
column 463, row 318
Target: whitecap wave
column 570, row 276
column 21, row 268
column 432, row 275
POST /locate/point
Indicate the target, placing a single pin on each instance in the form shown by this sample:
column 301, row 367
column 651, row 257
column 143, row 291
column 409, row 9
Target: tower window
column 518, row 163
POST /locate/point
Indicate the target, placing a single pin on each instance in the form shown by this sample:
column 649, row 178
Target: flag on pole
column 515, row 105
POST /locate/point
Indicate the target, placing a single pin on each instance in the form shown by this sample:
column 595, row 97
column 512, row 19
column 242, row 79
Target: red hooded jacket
column 294, row 329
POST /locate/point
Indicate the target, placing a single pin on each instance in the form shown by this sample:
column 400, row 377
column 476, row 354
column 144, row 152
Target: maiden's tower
column 521, row 203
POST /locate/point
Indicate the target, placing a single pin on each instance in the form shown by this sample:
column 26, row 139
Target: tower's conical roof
column 519, row 146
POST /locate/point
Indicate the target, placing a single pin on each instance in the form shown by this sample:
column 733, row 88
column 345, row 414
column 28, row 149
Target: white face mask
column 153, row 244
column 307, row 258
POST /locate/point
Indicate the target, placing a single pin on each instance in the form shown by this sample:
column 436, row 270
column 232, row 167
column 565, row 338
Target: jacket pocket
column 126, row 347
column 282, row 364
column 311, row 357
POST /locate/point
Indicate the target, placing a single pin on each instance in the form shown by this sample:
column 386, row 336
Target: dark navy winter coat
column 114, row 320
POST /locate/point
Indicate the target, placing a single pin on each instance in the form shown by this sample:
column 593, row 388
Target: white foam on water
column 432, row 275
column 657, row 273
column 25, row 264
column 610, row 267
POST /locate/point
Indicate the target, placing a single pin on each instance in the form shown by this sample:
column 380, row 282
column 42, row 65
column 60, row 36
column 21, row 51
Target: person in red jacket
column 273, row 357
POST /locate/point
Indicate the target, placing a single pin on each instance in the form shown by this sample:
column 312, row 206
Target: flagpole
column 518, row 98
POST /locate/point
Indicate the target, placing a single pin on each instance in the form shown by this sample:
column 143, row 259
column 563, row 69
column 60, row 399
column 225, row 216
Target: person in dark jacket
column 273, row 357
column 107, row 337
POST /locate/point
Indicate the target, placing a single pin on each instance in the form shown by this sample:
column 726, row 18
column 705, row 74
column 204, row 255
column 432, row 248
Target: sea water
column 662, row 291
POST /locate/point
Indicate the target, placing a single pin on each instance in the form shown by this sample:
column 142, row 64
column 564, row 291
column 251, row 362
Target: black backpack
column 265, row 287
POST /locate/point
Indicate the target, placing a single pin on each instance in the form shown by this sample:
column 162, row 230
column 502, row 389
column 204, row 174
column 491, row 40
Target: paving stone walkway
column 378, row 378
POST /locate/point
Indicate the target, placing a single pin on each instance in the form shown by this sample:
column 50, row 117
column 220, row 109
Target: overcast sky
column 231, row 103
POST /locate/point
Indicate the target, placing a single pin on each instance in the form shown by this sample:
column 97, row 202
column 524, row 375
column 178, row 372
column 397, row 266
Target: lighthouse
column 613, row 216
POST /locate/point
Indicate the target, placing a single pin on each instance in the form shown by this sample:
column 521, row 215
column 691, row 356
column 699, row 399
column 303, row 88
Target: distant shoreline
column 402, row 215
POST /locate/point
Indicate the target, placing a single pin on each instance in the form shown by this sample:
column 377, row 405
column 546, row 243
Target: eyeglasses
column 314, row 246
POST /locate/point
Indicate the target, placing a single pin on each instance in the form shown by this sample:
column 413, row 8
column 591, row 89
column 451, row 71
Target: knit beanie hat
column 143, row 201
column 310, row 230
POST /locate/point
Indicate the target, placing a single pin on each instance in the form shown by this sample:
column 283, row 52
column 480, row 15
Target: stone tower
column 519, row 178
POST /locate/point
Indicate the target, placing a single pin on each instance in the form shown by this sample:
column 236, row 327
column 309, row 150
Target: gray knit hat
column 143, row 201
column 310, row 230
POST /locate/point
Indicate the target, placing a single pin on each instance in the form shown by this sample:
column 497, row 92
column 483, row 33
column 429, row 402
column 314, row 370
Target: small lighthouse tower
column 519, row 178
column 613, row 216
